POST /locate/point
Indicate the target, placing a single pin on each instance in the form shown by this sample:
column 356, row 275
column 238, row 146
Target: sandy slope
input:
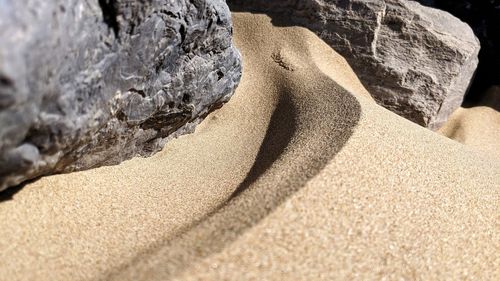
column 478, row 126
column 300, row 176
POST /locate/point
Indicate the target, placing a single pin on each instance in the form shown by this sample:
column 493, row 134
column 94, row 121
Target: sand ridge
column 300, row 176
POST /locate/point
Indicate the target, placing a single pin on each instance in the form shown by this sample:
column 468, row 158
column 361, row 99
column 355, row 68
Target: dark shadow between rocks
column 491, row 99
column 8, row 194
column 277, row 19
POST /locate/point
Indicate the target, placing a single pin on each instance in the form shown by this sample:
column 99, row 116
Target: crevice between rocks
column 110, row 15
column 380, row 19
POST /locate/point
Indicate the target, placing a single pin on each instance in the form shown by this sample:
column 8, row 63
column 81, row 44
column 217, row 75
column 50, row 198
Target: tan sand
column 300, row 177
column 478, row 126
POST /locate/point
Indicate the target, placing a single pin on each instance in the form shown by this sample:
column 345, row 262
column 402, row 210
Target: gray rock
column 414, row 60
column 90, row 83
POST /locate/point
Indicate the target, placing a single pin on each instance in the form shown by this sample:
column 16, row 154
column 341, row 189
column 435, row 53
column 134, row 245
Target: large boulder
column 416, row 61
column 90, row 83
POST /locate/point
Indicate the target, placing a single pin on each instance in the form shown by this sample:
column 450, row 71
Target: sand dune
column 300, row 176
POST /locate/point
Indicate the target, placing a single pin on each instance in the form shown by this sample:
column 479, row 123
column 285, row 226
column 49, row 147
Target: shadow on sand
column 300, row 141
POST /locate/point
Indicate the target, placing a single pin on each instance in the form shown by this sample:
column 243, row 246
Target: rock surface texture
column 484, row 18
column 90, row 83
column 416, row 61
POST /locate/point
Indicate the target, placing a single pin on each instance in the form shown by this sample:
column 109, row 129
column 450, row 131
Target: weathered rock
column 484, row 18
column 90, row 83
column 414, row 60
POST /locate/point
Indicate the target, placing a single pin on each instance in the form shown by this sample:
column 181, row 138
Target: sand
column 300, row 176
column 477, row 126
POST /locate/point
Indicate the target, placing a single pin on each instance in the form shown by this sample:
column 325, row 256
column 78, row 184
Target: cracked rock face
column 90, row 83
column 416, row 61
